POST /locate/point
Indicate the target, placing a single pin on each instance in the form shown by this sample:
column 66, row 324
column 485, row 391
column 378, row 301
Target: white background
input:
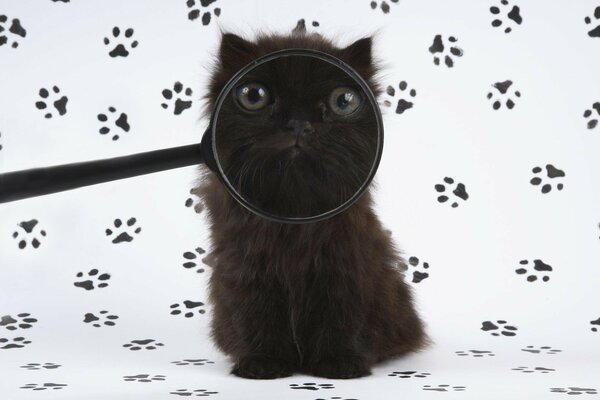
column 452, row 130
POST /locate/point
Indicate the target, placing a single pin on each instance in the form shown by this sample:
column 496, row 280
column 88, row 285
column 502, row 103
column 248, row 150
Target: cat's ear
column 235, row 52
column 360, row 53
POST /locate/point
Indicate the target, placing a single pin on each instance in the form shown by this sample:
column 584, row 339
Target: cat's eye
column 253, row 96
column 344, row 100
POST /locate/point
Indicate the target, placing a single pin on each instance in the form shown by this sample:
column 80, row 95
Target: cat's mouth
column 294, row 144
column 295, row 151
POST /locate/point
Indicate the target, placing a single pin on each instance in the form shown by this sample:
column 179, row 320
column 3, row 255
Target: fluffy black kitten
column 324, row 298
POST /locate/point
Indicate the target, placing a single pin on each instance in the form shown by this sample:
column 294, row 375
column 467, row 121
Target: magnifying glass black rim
column 321, row 56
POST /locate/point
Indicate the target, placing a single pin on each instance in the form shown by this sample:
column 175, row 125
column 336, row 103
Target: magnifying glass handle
column 39, row 181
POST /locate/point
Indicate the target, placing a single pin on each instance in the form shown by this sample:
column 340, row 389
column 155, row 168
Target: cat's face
column 296, row 136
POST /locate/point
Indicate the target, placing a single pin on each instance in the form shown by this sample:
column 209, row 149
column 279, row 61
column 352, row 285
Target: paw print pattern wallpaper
column 489, row 184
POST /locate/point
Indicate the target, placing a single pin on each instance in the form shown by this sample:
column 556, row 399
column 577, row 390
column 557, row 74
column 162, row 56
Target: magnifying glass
column 301, row 151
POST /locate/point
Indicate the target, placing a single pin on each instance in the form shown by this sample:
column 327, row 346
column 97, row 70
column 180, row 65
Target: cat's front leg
column 340, row 360
column 336, row 348
column 265, row 348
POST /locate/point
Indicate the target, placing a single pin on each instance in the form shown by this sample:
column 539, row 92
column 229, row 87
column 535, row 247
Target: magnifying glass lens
column 296, row 137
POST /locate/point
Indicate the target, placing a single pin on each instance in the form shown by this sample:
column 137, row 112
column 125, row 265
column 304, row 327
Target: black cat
column 324, row 298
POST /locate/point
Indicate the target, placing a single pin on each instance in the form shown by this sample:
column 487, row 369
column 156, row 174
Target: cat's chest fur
column 295, row 257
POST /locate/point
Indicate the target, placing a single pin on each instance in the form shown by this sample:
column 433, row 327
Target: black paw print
column 502, row 88
column 541, row 349
column 574, row 390
column 419, row 270
column 552, row 173
column 20, row 321
column 594, row 324
column 146, row 344
column 37, row 366
column 44, row 386
column 62, row 1
column 311, row 386
column 475, row 353
column 445, row 388
column 385, row 7
column 194, row 11
column 459, row 191
column 0, row 143
column 180, row 104
column 189, row 305
column 402, row 104
column 28, row 234
column 592, row 120
column 192, row 257
column 52, row 97
column 95, row 277
column 409, row 374
column 16, row 30
column 199, row 361
column 438, row 47
column 143, row 378
column 514, row 15
column 118, row 120
column 193, row 392
column 505, row 330
column 14, row 343
column 539, row 266
column 527, row 370
column 194, row 202
column 103, row 318
column 120, row 50
column 124, row 236
column 595, row 32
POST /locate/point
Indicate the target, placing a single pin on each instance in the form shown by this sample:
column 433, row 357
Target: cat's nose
column 300, row 127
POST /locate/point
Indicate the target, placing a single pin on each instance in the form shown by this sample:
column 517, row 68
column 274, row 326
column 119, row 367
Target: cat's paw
column 341, row 368
column 260, row 367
